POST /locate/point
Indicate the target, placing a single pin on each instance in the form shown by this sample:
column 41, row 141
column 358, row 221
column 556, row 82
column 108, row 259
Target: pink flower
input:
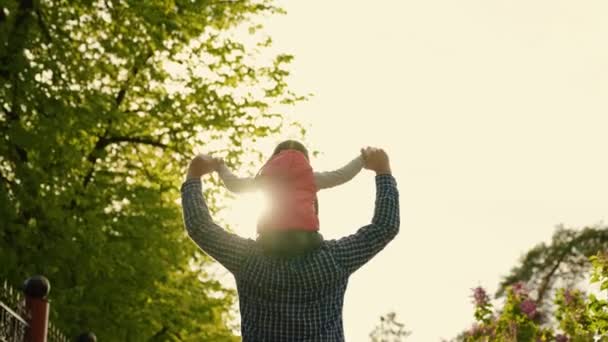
column 528, row 307
column 568, row 297
column 475, row 329
column 519, row 289
column 478, row 329
column 480, row 296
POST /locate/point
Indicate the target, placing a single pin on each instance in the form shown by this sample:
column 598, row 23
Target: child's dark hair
column 290, row 145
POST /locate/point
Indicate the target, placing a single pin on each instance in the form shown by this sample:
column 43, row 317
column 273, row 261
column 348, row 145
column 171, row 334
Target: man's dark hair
column 289, row 243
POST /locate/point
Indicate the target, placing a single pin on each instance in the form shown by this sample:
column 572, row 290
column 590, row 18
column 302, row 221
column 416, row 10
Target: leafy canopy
column 101, row 104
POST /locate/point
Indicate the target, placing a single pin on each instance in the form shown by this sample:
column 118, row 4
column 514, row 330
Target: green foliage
column 389, row 330
column 572, row 314
column 101, row 104
column 598, row 308
column 515, row 322
column 579, row 317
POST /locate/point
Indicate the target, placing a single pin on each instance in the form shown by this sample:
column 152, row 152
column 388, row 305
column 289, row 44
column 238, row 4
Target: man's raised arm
column 228, row 249
column 352, row 252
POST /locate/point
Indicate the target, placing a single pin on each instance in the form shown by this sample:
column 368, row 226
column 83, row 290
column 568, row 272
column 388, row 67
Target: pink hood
column 288, row 178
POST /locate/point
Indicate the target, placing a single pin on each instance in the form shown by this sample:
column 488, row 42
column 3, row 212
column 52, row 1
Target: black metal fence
column 13, row 315
column 54, row 335
column 15, row 318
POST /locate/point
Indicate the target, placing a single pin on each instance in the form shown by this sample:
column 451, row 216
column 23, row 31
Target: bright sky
column 494, row 114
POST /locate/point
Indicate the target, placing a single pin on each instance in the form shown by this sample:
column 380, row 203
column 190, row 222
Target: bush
column 578, row 316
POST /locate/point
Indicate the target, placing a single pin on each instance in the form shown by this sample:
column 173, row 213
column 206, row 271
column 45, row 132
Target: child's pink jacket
column 288, row 178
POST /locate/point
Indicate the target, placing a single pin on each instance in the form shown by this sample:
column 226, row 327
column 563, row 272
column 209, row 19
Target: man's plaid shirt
column 298, row 299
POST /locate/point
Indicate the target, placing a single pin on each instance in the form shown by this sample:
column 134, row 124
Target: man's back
column 297, row 299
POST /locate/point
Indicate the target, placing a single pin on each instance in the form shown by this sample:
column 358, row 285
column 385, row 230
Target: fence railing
column 55, row 335
column 13, row 315
column 24, row 316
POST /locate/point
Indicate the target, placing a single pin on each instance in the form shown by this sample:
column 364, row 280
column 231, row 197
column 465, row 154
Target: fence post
column 36, row 290
column 87, row 337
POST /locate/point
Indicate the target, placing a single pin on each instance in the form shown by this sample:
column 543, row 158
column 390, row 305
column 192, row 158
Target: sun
column 245, row 211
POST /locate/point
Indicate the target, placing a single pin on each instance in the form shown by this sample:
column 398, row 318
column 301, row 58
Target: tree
column 563, row 262
column 389, row 330
column 101, row 104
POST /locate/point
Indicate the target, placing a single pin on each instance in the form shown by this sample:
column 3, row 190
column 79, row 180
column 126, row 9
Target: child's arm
column 340, row 176
column 233, row 182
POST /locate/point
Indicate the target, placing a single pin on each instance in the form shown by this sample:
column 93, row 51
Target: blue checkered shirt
column 298, row 299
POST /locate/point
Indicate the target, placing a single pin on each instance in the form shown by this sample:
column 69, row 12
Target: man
column 293, row 298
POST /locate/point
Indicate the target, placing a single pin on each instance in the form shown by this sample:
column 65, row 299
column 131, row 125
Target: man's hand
column 376, row 159
column 201, row 165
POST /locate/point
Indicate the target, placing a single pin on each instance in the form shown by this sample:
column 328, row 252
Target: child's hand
column 217, row 162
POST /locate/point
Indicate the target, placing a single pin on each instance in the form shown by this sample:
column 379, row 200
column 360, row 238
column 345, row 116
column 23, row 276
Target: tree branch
column 16, row 41
column 45, row 30
column 547, row 278
column 159, row 333
column 134, row 71
column 103, row 140
column 102, row 143
column 544, row 287
column 136, row 140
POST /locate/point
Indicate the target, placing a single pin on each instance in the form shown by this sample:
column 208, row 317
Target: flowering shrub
column 578, row 316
